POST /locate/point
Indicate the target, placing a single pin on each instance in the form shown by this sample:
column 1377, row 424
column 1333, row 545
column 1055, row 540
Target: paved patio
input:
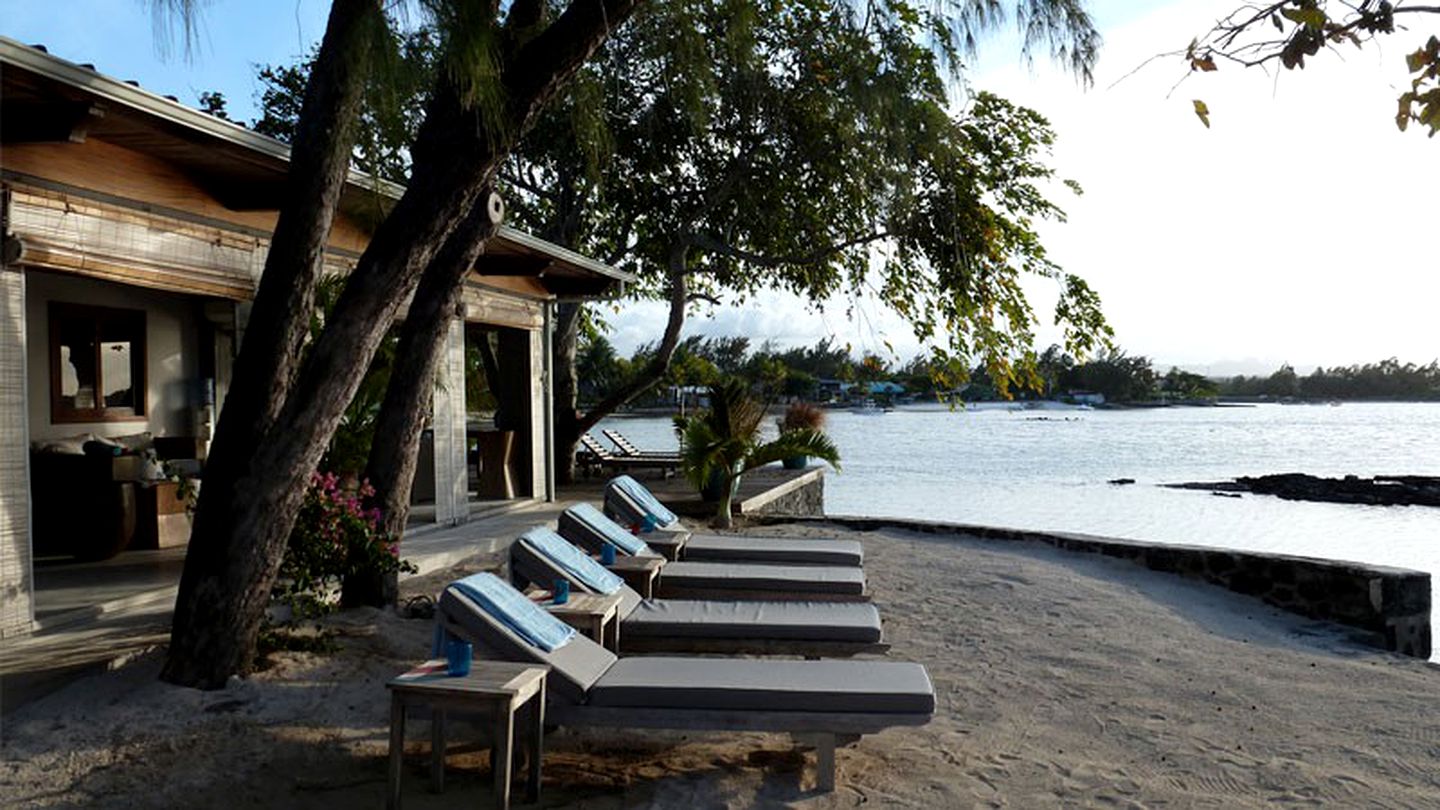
column 95, row 615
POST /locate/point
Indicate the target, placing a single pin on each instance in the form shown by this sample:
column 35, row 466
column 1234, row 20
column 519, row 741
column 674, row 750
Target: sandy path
column 1062, row 680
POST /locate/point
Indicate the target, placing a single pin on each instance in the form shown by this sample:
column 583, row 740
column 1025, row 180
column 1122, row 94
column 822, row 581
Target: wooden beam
column 512, row 264
column 48, row 122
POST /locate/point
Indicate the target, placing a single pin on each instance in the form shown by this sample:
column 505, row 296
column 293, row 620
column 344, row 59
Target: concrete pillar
column 452, row 477
column 17, row 583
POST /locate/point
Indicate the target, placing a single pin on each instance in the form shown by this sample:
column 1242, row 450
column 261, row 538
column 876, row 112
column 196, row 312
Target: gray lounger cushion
column 702, row 547
column 758, row 577
column 855, row 622
column 640, row 496
column 573, row 667
column 889, row 687
column 530, row 565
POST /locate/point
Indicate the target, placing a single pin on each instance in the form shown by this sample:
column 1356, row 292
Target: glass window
column 97, row 363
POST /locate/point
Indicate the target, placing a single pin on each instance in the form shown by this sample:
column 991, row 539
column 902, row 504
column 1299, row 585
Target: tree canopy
column 720, row 148
column 1287, row 32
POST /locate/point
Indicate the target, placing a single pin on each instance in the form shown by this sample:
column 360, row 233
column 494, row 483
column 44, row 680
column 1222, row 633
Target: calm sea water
column 1049, row 470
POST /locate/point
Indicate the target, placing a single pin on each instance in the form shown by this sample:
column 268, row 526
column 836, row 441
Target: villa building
column 135, row 231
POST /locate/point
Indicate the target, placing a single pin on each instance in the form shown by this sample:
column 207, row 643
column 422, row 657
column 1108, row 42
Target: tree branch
column 712, row 244
column 659, row 364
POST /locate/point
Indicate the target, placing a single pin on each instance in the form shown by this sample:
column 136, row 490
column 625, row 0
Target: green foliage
column 1421, row 103
column 393, row 106
column 724, row 442
column 333, row 538
column 1187, row 385
column 214, row 104
column 786, row 144
column 1120, row 377
column 1386, row 380
column 1304, row 28
column 350, row 446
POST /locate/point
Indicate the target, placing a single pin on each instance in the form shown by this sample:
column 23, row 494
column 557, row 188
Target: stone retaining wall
column 1392, row 603
column 801, row 497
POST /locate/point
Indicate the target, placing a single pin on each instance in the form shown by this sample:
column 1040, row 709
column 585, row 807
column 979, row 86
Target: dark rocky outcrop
column 1381, row 490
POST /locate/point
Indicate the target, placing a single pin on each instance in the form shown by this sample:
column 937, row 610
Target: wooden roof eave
column 228, row 149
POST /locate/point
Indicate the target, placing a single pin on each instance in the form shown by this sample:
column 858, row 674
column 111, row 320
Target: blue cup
column 562, row 591
column 607, row 554
column 648, row 525
column 457, row 655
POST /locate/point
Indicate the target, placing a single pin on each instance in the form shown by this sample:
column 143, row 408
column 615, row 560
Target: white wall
column 171, row 343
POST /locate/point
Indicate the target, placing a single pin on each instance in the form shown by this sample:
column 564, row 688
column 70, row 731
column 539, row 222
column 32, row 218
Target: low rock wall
column 1392, row 603
column 801, row 497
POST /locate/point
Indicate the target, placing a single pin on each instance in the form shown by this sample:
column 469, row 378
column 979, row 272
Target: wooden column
column 17, row 585
column 452, row 477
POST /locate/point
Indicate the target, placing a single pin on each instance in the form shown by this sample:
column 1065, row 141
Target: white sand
column 1061, row 680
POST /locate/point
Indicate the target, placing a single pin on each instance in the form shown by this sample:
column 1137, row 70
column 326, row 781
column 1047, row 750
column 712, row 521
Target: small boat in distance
column 869, row 408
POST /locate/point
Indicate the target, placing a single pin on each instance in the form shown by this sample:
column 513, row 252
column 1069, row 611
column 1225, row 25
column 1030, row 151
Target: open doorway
column 498, row 403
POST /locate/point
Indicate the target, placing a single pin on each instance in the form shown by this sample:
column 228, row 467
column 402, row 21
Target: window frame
column 98, row 317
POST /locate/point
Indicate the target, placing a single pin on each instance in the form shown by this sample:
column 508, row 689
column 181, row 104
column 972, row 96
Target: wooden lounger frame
column 825, row 729
column 600, row 457
column 664, row 590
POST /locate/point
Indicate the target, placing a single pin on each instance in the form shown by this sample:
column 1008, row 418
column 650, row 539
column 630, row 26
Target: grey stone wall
column 1391, row 603
column 805, row 499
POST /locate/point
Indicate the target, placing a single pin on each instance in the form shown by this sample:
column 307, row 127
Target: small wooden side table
column 494, row 686
column 665, row 542
column 639, row 573
column 594, row 614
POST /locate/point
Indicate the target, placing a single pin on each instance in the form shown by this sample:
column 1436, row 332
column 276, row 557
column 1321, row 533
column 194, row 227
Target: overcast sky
column 1300, row 228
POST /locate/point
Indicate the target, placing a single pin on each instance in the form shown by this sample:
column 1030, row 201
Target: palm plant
column 720, row 445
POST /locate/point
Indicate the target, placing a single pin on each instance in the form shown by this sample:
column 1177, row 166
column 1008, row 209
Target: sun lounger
column 598, row 455
column 628, row 448
column 631, row 450
column 795, row 628
column 761, row 581
column 590, row 686
column 585, row 526
column 630, row 503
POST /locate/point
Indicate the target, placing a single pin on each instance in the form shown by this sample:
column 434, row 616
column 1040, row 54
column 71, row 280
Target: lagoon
column 1048, row 470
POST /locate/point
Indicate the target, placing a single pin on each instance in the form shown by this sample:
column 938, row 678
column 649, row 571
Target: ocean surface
column 1048, row 469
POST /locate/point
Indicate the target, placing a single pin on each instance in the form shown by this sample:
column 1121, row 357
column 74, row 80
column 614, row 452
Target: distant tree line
column 1386, row 380
column 812, row 373
column 803, row 372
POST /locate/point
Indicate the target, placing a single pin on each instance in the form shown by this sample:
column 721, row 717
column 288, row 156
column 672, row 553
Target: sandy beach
column 1062, row 680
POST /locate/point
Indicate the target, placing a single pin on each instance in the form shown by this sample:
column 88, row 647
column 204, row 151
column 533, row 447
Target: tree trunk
column 393, row 453
column 249, row 505
column 566, row 393
column 656, row 369
column 227, row 576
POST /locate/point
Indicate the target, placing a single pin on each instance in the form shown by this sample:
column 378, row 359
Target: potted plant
column 721, row 444
column 800, row 416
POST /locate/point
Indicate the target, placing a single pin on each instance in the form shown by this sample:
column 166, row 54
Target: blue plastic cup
column 457, row 655
column 648, row 525
column 607, row 554
column 562, row 591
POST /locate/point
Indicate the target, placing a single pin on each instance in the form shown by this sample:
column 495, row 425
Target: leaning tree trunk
column 565, row 397
column 568, row 433
column 394, row 450
column 253, row 507
column 225, row 583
